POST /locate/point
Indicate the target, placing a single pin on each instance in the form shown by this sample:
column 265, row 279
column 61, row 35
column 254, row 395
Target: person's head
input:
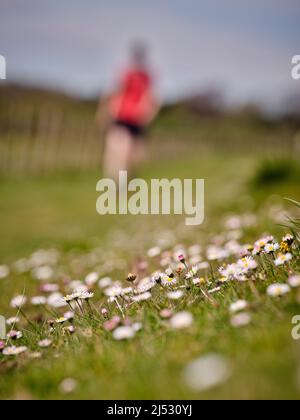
column 139, row 54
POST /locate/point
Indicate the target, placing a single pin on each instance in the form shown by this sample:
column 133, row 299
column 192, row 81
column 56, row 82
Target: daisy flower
column 166, row 313
column 238, row 306
column 180, row 268
column 70, row 329
column 271, row 248
column 142, row 265
column 68, row 386
column 123, row 333
column 86, row 296
column 175, row 295
column 157, row 277
column 14, row 335
column 42, row 273
column 261, row 243
column 49, row 288
column 4, row 271
column 294, row 281
column 91, row 278
column 13, row 320
column 69, row 315
column 169, row 272
column 181, row 320
column 192, row 273
column 21, row 266
column 216, row 253
column 154, row 252
column 165, row 261
column 206, row 372
column 78, row 286
column 230, row 272
column 73, row 296
column 283, row 258
column 18, row 301
column 256, row 250
column 278, row 289
column 246, row 264
column 60, row 320
column 196, row 259
column 181, row 258
column 234, row 235
column 44, row 257
column 45, row 343
column 233, row 247
column 178, row 251
column 240, row 320
column 203, row 266
column 137, row 326
column 246, row 250
column 38, row 300
column 55, row 300
column 104, row 282
column 112, row 323
column 146, row 284
column 233, row 222
column 168, row 281
column 194, row 250
column 104, row 312
column 127, row 290
column 197, row 280
column 2, row 345
column 13, row 350
column 142, row 297
column 113, row 291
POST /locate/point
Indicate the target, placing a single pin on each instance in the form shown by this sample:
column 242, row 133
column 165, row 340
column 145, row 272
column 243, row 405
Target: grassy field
column 59, row 212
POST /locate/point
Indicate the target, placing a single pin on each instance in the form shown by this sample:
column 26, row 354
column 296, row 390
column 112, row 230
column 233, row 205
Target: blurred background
column 222, row 73
column 229, row 108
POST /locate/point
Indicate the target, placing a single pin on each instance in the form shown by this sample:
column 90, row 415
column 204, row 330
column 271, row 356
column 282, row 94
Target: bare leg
column 118, row 152
column 138, row 154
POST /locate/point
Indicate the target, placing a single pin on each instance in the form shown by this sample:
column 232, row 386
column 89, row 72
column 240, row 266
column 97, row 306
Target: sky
column 242, row 47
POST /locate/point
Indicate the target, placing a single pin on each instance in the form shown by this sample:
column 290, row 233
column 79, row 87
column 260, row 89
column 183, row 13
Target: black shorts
column 137, row 131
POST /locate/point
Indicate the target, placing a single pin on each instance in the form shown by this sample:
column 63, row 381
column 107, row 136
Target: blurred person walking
column 131, row 108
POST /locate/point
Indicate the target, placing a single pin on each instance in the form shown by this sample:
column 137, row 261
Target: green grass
column 59, row 211
column 278, row 170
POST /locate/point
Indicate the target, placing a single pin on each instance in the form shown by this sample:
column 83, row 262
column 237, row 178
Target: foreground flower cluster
column 171, row 281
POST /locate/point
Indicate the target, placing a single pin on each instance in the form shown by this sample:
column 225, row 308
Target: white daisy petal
column 181, row 320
